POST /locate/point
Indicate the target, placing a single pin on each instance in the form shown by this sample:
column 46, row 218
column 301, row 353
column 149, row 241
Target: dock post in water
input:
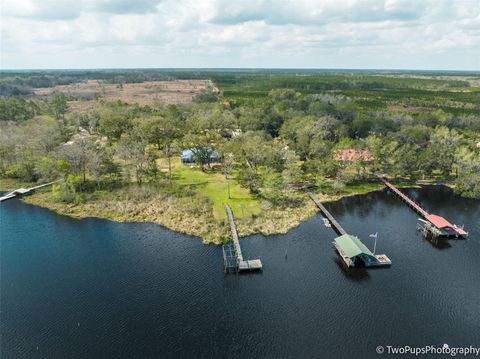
column 232, row 252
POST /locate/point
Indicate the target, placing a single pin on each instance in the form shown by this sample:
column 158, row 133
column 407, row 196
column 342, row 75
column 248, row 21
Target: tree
column 76, row 155
column 468, row 172
column 207, row 95
column 227, row 164
column 291, row 173
column 441, row 148
column 100, row 162
column 133, row 149
column 113, row 125
column 58, row 106
column 164, row 132
column 272, row 185
column 254, row 151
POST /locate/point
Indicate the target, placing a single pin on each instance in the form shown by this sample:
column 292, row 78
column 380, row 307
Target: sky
column 353, row 34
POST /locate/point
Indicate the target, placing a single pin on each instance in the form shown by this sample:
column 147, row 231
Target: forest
column 274, row 135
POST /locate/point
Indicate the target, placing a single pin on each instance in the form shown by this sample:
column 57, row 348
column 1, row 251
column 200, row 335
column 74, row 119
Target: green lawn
column 214, row 186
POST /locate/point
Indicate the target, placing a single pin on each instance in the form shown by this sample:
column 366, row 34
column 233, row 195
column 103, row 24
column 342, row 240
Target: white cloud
column 224, row 33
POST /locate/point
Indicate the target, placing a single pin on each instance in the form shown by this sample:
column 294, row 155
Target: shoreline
column 174, row 213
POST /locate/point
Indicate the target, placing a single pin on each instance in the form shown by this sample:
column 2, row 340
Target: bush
column 63, row 192
column 468, row 185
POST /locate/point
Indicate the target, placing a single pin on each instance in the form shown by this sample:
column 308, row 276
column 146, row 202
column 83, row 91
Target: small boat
column 326, row 222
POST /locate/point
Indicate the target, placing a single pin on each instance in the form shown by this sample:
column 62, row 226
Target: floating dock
column 232, row 252
column 431, row 224
column 24, row 191
column 350, row 249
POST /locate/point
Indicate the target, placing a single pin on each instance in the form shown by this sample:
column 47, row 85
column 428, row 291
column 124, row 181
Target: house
column 197, row 154
column 351, row 155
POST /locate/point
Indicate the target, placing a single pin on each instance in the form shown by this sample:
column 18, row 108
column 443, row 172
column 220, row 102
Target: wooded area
column 277, row 134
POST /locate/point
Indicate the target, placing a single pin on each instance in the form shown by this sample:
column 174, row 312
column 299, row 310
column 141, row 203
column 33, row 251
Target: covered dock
column 349, row 247
column 432, row 224
column 355, row 254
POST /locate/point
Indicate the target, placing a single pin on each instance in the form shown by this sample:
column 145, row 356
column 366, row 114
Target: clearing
column 214, row 186
column 83, row 94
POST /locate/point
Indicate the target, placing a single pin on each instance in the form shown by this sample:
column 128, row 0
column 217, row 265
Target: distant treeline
column 259, row 82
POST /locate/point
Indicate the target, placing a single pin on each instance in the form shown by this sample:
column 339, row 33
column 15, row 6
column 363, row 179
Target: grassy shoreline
column 194, row 216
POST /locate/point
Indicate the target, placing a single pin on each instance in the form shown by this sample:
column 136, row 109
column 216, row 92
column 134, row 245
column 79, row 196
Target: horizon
column 207, row 69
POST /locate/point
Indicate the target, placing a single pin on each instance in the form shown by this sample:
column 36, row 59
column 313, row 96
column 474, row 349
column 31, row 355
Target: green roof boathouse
column 355, row 254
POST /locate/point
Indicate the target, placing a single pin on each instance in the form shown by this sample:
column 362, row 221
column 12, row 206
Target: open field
column 83, row 93
column 214, row 186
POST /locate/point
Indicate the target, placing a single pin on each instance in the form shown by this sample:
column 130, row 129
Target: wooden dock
column 407, row 200
column 232, row 252
column 24, row 191
column 432, row 224
column 338, row 228
column 359, row 253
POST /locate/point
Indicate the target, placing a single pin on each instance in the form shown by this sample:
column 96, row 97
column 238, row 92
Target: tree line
column 284, row 143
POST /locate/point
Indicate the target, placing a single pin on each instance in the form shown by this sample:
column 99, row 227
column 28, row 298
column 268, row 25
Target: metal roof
column 352, row 246
column 438, row 221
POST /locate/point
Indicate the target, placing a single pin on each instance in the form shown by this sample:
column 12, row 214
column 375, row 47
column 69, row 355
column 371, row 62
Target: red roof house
column 350, row 155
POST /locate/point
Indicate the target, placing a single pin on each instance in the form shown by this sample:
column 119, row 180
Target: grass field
column 214, row 186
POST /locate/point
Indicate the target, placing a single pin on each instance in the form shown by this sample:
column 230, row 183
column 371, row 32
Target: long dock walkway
column 434, row 224
column 235, row 253
column 407, row 200
column 24, row 191
column 338, row 228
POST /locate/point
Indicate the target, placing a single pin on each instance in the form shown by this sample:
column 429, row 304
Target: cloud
column 47, row 10
column 255, row 33
column 41, row 10
column 316, row 11
column 122, row 6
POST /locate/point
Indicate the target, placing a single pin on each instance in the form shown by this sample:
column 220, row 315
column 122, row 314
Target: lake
column 97, row 289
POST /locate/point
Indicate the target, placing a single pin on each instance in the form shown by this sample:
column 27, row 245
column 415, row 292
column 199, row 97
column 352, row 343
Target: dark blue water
column 97, row 289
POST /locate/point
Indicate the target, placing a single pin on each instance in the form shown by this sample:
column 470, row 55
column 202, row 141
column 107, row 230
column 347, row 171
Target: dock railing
column 241, row 264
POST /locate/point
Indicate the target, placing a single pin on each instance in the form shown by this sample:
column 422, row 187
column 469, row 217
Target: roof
column 352, row 246
column 187, row 154
column 438, row 221
column 352, row 155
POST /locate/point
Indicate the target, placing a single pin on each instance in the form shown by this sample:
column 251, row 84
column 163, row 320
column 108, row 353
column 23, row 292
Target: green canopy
column 352, row 246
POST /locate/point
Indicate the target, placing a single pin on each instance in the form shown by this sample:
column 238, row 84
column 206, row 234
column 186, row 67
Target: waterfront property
column 432, row 224
column 351, row 250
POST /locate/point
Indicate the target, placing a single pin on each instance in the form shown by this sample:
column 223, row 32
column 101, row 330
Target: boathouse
column 433, row 224
column 353, row 251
